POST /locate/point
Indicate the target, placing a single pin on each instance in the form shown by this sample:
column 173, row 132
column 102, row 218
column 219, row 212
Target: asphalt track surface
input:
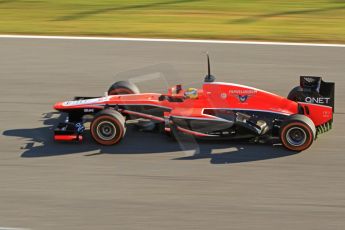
column 147, row 181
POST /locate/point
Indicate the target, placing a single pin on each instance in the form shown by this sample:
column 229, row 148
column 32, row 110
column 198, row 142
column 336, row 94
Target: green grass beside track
column 274, row 20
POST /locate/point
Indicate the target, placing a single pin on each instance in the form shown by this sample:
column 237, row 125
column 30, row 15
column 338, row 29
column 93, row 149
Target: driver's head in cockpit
column 191, row 93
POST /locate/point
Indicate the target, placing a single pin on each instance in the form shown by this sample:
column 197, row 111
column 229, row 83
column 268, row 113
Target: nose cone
column 58, row 106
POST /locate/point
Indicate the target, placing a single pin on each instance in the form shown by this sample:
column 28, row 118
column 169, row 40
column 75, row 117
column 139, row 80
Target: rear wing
column 317, row 91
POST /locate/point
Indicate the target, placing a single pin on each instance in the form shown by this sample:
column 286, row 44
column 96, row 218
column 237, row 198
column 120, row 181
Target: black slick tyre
column 108, row 127
column 297, row 132
column 123, row 87
column 295, row 94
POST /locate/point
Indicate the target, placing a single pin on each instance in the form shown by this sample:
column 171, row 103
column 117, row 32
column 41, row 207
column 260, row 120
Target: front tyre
column 123, row 87
column 108, row 127
column 297, row 133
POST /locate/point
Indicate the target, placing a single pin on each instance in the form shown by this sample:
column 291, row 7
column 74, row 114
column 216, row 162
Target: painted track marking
column 172, row 40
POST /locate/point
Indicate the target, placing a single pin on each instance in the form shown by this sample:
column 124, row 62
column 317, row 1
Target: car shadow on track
column 41, row 144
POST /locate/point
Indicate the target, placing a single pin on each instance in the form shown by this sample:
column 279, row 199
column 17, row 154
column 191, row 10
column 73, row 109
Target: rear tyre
column 123, row 87
column 108, row 127
column 295, row 93
column 297, row 133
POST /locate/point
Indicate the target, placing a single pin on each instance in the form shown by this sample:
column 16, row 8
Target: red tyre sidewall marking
column 109, row 118
column 297, row 148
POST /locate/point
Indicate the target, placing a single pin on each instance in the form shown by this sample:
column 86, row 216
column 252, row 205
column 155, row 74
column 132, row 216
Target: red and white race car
column 216, row 111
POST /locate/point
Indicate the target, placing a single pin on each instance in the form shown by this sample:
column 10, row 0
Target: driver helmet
column 191, row 93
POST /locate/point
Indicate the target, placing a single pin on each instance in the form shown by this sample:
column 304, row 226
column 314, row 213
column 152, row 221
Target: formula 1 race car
column 216, row 111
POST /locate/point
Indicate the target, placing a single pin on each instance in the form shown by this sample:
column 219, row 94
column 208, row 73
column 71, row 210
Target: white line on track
column 5, row 228
column 172, row 40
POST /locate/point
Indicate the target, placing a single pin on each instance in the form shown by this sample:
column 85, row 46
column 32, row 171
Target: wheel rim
column 106, row 130
column 296, row 136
